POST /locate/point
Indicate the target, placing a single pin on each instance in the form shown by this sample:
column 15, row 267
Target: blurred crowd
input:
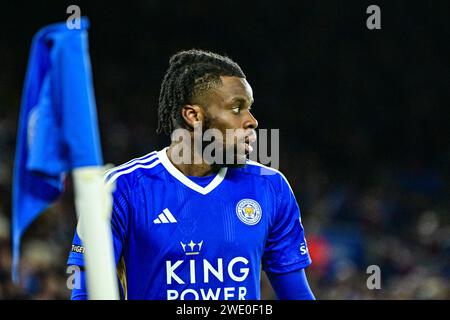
column 363, row 119
column 398, row 221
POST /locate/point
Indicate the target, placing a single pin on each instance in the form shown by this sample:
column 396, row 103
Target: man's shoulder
column 259, row 171
column 131, row 171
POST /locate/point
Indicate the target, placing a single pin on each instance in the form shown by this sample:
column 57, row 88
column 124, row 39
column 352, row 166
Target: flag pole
column 93, row 203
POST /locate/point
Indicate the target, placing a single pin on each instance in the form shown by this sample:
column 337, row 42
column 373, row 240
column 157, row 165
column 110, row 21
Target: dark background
column 363, row 118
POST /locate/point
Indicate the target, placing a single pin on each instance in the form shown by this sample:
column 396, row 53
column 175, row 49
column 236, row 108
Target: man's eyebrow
column 242, row 100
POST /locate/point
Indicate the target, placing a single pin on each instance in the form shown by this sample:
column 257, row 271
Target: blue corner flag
column 57, row 126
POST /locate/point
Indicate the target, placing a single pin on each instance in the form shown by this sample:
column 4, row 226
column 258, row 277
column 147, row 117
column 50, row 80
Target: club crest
column 249, row 211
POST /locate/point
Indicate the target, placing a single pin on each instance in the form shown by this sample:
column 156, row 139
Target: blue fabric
column 57, row 129
column 202, row 181
column 81, row 292
column 291, row 286
column 178, row 243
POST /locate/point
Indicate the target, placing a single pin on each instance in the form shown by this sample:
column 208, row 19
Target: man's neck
column 191, row 169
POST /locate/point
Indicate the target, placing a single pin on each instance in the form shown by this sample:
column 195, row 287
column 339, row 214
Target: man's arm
column 291, row 286
column 286, row 252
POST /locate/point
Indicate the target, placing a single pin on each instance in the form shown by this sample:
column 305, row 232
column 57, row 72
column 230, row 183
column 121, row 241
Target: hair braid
column 189, row 73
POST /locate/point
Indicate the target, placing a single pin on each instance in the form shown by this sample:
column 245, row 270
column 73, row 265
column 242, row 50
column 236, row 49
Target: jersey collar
column 177, row 174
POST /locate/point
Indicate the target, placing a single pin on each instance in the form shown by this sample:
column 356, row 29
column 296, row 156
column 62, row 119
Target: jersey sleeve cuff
column 288, row 268
column 75, row 261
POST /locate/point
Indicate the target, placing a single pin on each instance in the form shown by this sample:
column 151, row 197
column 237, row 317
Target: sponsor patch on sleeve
column 77, row 249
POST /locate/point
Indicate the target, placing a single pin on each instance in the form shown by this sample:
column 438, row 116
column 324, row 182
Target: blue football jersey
column 203, row 238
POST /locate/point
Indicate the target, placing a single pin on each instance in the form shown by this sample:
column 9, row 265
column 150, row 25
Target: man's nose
column 250, row 122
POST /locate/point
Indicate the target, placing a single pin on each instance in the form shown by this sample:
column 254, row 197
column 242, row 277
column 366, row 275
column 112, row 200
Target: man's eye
column 236, row 110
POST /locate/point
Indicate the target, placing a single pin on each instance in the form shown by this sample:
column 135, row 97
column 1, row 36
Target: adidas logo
column 165, row 217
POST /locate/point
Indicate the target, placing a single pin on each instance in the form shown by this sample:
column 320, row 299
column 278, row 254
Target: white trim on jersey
column 144, row 159
column 254, row 163
column 185, row 180
column 251, row 162
column 137, row 166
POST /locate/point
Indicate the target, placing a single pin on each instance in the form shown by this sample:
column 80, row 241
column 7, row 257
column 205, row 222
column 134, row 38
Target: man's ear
column 191, row 114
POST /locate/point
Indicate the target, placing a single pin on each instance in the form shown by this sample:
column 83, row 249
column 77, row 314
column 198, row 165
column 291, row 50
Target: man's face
column 228, row 110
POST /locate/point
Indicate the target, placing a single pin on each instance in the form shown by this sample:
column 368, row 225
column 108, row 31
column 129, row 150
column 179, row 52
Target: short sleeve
column 119, row 217
column 286, row 249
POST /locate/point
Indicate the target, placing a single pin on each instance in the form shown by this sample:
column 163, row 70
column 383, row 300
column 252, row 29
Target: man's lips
column 249, row 139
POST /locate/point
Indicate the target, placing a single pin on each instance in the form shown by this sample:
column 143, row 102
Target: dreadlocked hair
column 190, row 74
